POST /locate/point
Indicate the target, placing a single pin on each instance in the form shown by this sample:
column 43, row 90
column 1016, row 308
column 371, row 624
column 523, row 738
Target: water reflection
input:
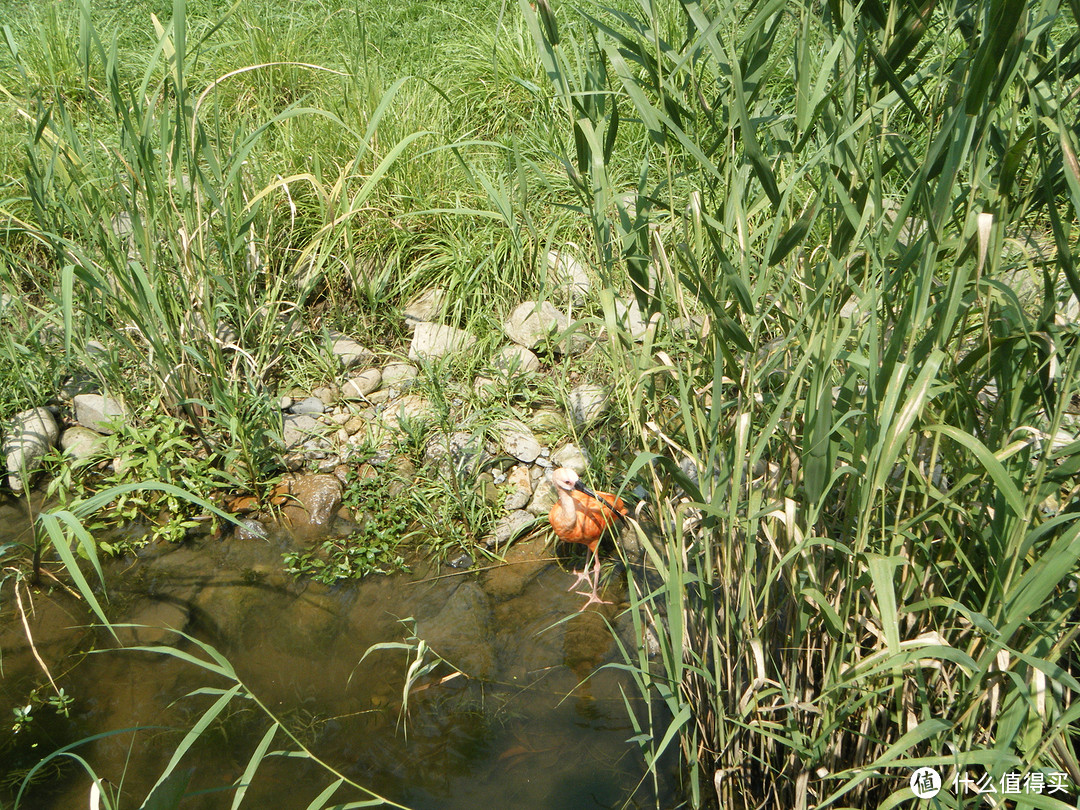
column 516, row 729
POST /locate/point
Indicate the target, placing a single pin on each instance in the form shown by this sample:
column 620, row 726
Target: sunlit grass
column 857, row 432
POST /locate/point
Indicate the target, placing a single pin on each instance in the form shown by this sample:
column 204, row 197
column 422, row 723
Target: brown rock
column 310, row 503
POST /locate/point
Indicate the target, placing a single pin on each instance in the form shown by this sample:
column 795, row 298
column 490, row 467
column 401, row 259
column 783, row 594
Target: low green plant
column 385, row 519
column 61, row 702
column 155, row 447
column 345, row 558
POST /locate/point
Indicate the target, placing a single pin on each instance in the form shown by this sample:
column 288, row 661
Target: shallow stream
column 532, row 721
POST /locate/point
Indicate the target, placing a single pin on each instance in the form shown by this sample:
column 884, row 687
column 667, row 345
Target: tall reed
column 862, row 556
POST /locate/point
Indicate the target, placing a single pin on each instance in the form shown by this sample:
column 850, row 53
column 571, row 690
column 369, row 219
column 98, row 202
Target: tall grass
column 853, row 227
column 862, row 463
column 198, row 213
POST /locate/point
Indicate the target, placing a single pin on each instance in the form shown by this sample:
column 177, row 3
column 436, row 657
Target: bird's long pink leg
column 581, row 576
column 594, row 595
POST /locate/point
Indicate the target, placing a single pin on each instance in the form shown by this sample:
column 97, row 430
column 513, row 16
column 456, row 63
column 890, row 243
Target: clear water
column 534, row 721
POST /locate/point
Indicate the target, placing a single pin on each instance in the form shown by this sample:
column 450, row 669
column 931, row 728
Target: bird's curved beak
column 580, row 487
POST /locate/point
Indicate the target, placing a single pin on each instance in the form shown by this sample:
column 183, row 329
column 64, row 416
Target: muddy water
column 532, row 722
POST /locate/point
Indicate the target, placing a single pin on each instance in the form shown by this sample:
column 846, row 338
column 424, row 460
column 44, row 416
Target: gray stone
column 519, row 488
column 587, row 403
column 121, row 225
column 433, row 340
column 544, row 497
column 546, row 419
column 688, row 328
column 572, row 456
column 517, row 440
column 309, row 405
column 97, row 412
column 310, row 502
column 508, row 527
column 912, row 228
column 360, row 385
column 303, row 431
column 80, row 443
column 28, row 436
column 226, row 336
column 395, row 375
column 349, row 352
column 532, row 323
column 409, row 407
column 250, row 529
column 515, row 358
column 424, row 307
column 569, row 275
column 329, row 394
column 357, row 422
column 460, row 452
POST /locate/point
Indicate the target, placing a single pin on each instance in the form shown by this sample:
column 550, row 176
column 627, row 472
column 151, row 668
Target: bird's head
column 564, row 478
column 567, row 480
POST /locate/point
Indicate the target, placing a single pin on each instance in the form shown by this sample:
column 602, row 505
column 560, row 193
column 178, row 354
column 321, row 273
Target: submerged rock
column 159, row 622
column 525, row 560
column 462, row 632
column 28, row 436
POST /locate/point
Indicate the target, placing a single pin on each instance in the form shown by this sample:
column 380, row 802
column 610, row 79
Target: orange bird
column 582, row 516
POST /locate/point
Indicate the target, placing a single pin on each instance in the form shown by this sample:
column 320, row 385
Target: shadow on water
column 530, row 723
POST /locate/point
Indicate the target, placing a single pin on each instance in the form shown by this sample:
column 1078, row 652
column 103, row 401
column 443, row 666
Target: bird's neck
column 567, row 502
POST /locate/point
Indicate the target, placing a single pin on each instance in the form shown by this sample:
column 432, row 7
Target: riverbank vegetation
column 851, row 228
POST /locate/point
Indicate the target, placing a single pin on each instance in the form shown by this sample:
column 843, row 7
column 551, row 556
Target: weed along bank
column 550, row 404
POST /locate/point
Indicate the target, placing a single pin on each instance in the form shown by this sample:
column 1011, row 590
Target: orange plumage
column 589, row 520
column 582, row 516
